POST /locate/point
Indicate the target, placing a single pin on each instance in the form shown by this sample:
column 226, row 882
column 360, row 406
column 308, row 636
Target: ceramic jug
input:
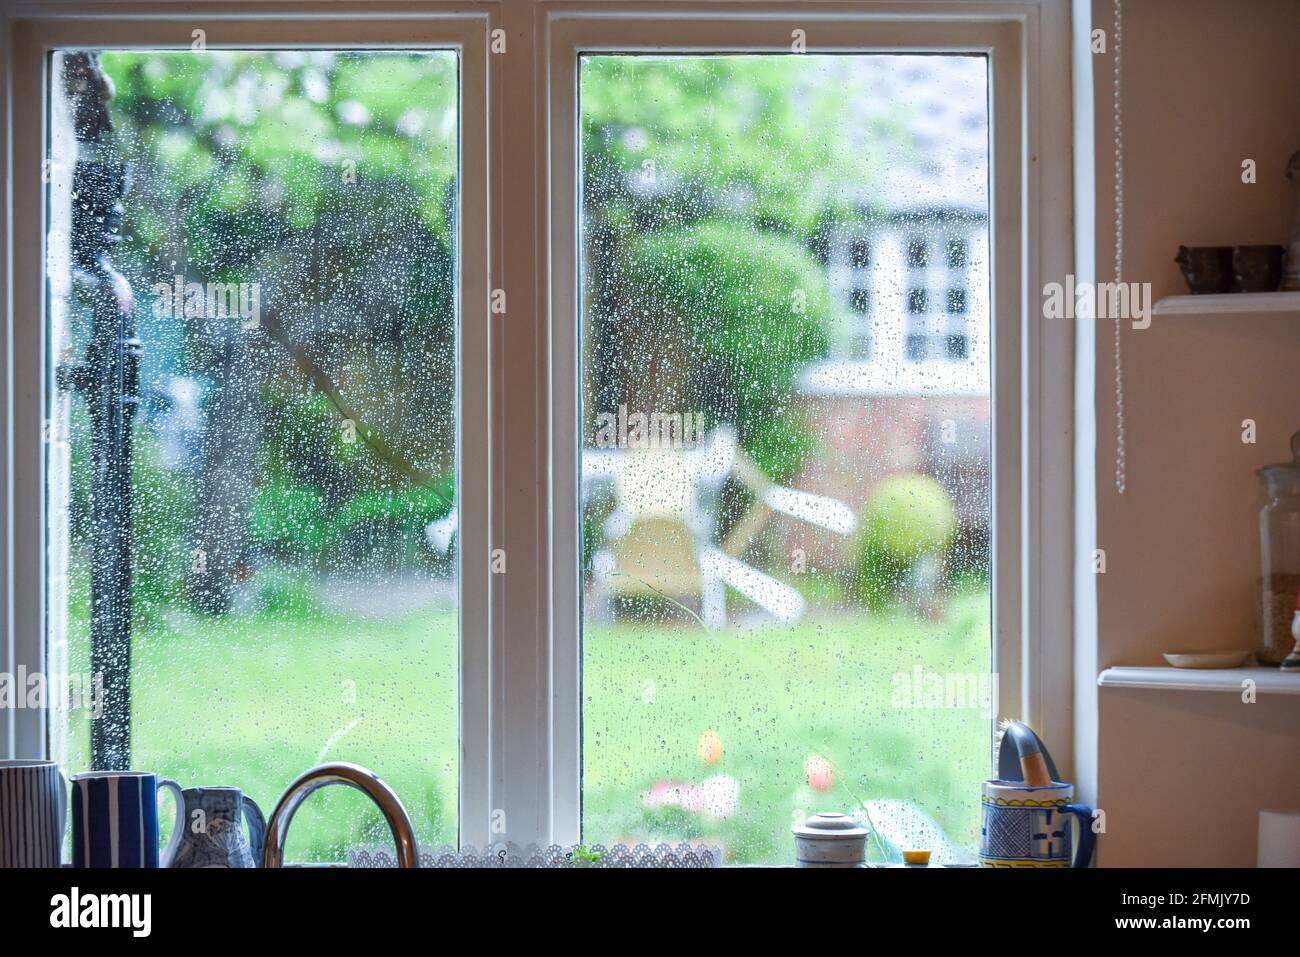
column 209, row 832
column 1028, row 826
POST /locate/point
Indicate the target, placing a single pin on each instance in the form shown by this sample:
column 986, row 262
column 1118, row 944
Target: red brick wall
column 863, row 439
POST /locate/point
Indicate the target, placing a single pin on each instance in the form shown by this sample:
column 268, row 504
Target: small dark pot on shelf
column 1257, row 268
column 1207, row 269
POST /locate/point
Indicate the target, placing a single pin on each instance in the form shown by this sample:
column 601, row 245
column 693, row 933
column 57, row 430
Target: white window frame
column 1032, row 362
column 30, row 35
column 520, row 747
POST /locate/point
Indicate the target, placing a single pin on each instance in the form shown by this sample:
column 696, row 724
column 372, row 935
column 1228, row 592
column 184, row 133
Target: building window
column 917, row 347
column 918, row 301
column 918, row 254
column 860, row 299
column 859, row 253
column 958, row 254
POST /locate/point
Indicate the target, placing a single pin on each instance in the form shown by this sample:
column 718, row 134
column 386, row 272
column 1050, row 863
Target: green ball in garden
column 910, row 515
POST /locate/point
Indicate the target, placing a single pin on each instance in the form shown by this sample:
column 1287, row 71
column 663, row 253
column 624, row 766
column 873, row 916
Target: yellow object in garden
column 710, row 748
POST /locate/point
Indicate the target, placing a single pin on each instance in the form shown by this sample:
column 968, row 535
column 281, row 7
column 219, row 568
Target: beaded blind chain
column 1120, row 464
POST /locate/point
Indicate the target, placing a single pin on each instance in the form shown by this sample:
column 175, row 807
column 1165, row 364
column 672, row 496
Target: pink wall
column 1207, row 84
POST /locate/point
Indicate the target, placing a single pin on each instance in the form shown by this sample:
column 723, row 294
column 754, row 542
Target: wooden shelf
column 1267, row 680
column 1228, row 304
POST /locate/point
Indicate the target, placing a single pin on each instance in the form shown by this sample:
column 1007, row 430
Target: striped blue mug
column 33, row 808
column 115, row 819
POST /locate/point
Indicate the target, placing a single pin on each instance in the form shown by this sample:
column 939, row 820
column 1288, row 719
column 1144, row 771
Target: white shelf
column 1267, row 680
column 1234, row 303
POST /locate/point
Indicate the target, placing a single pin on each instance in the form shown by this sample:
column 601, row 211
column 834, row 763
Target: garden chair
column 659, row 537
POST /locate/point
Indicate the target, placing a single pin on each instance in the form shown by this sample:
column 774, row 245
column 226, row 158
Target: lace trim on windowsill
column 511, row 855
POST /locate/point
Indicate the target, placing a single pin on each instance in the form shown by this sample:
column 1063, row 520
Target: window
column 500, row 686
column 860, row 253
column 260, row 560
column 728, row 520
column 918, row 254
column 256, row 412
column 957, row 338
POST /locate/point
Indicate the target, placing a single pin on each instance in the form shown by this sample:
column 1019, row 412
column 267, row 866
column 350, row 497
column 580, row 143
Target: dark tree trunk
column 108, row 379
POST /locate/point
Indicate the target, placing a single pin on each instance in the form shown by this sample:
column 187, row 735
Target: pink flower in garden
column 819, row 773
column 716, row 796
column 665, row 794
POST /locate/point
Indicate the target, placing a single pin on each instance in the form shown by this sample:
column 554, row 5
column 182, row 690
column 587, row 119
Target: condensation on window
column 785, row 449
column 251, row 498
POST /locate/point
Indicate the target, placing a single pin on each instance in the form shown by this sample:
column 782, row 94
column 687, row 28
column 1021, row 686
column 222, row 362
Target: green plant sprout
column 584, row 856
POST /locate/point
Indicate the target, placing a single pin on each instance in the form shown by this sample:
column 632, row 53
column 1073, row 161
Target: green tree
column 329, row 180
column 707, row 182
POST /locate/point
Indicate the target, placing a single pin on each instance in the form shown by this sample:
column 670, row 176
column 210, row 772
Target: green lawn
column 254, row 700
column 776, row 695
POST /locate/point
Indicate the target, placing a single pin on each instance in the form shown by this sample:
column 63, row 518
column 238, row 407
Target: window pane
column 256, row 538
column 860, row 254
column 860, row 298
column 918, row 253
column 787, row 598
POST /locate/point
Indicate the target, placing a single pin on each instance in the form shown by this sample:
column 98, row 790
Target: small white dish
column 1207, row 659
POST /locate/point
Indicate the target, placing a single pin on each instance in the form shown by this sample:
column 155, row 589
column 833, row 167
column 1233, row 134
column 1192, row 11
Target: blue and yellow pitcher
column 1024, row 825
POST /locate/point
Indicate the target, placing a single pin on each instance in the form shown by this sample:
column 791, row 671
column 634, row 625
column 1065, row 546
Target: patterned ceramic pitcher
column 1027, row 826
column 209, row 831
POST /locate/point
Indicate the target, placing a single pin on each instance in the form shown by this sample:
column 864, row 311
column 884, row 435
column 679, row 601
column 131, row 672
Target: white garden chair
column 659, row 537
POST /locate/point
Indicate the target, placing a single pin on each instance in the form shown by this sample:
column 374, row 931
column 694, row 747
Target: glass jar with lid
column 1279, row 546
